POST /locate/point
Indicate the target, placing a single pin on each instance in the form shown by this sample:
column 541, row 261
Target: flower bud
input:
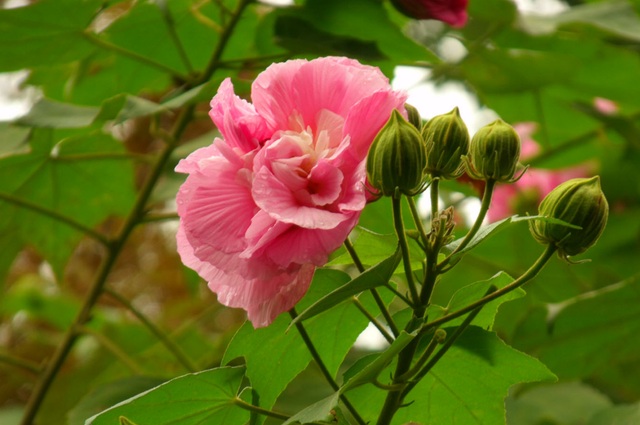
column 579, row 202
column 414, row 116
column 396, row 158
column 494, row 153
column 447, row 139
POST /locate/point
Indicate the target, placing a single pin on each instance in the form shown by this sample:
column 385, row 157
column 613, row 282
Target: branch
column 259, row 410
column 56, row 216
column 17, row 361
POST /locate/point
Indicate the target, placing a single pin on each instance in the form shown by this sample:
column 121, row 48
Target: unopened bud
column 579, row 202
column 447, row 139
column 494, row 153
column 396, row 158
column 413, row 116
column 440, row 336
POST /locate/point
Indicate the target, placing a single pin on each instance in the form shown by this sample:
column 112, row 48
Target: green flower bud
column 397, row 158
column 579, row 202
column 447, row 139
column 494, row 153
column 414, row 116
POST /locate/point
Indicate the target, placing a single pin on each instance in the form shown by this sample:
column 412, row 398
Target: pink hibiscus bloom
column 266, row 205
column 534, row 185
column 453, row 12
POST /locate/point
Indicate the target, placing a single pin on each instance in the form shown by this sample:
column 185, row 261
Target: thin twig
column 259, row 410
column 114, row 348
column 20, row 362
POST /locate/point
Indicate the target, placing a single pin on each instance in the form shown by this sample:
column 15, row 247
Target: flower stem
column 484, row 208
column 434, row 199
column 134, row 217
column 526, row 276
column 376, row 296
column 54, row 215
column 418, row 221
column 373, row 320
column 259, row 410
column 323, row 368
column 163, row 337
column 404, row 246
column 422, row 360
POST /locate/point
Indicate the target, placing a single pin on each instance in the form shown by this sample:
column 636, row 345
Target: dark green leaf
column 374, row 277
column 472, row 293
column 199, row 398
column 45, row 33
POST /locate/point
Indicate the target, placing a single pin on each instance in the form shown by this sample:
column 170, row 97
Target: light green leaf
column 566, row 403
column 52, row 114
column 14, row 139
column 125, row 106
column 581, row 335
column 471, row 293
column 618, row 415
column 106, row 395
column 203, row 398
column 317, row 412
column 374, row 277
column 274, row 356
column 81, row 177
column 45, row 33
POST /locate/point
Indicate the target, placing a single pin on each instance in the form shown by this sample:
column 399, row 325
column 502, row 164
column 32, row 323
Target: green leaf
column 125, row 106
column 472, row 293
column 493, row 228
column 566, row 403
column 77, row 177
column 584, row 334
column 377, row 275
column 14, row 139
column 45, row 33
column 617, row 17
column 52, row 114
column 322, row 411
column 199, row 398
column 106, row 395
column 370, row 372
column 618, row 415
column 274, row 356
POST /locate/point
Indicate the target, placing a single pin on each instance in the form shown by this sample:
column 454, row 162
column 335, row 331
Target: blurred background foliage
column 109, row 79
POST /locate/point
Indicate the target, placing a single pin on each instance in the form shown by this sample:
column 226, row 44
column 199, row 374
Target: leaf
column 377, row 275
column 618, row 415
column 317, row 412
column 567, row 403
column 198, row 398
column 370, row 372
column 617, row 17
column 106, row 395
column 51, row 114
column 45, row 33
column 76, row 178
column 13, row 139
column 274, row 356
column 580, row 336
column 471, row 293
column 493, row 228
column 125, row 106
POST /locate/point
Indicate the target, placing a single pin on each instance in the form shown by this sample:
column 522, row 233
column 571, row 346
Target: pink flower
column 266, row 205
column 606, row 106
column 534, row 185
column 452, row 12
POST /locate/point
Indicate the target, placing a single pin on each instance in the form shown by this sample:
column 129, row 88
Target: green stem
column 323, row 368
column 162, row 336
column 434, row 200
column 168, row 19
column 17, row 361
column 418, row 221
column 404, row 246
column 465, row 324
column 373, row 320
column 422, row 360
column 376, row 296
column 113, row 347
column 526, row 276
column 255, row 59
column 92, row 38
column 105, row 155
column 399, row 295
column 484, row 208
column 56, row 216
column 136, row 214
column 259, row 410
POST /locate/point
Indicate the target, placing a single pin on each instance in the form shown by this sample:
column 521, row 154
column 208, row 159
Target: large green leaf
column 44, row 33
column 472, row 293
column 374, row 277
column 204, row 398
column 467, row 386
column 77, row 177
column 586, row 333
column 274, row 356
column 617, row 415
